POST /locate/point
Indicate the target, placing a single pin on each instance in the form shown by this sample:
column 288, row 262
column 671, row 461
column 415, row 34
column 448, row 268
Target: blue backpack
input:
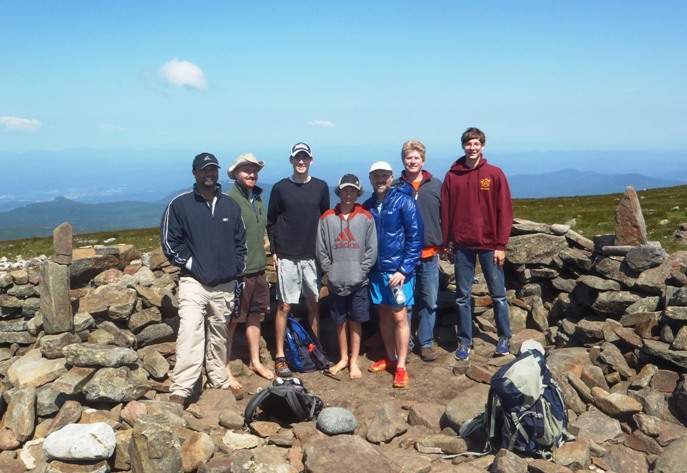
column 525, row 409
column 303, row 351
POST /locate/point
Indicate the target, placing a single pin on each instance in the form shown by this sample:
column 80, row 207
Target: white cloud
column 20, row 124
column 183, row 74
column 324, row 123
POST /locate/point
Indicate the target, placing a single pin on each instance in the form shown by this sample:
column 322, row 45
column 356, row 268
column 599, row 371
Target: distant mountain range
column 571, row 182
column 39, row 219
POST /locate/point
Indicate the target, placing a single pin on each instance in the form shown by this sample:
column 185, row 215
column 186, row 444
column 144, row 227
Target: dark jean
column 465, row 262
column 426, row 293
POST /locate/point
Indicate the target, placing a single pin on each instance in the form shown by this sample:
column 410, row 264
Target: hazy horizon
column 149, row 175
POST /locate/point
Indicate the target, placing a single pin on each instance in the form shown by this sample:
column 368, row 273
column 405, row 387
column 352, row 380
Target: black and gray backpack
column 286, row 400
column 525, row 409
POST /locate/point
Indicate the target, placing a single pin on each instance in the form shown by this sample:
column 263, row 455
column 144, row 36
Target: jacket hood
column 399, row 185
column 460, row 167
column 357, row 208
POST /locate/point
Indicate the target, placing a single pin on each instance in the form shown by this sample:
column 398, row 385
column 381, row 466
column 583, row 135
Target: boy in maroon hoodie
column 476, row 220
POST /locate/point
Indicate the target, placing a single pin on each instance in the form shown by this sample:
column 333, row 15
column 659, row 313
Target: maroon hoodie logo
column 485, row 184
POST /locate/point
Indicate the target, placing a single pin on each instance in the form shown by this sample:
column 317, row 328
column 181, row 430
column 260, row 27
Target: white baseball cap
column 381, row 166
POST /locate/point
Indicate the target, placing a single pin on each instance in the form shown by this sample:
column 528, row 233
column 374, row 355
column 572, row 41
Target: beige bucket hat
column 248, row 158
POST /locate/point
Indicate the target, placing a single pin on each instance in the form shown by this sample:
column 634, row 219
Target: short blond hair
column 413, row 145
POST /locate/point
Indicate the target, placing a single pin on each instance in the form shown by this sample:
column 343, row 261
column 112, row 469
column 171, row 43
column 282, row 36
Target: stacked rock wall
column 614, row 316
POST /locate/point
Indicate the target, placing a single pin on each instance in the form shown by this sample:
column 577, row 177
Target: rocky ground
column 87, row 348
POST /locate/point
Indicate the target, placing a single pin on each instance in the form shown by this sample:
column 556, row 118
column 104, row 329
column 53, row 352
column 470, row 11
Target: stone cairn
column 87, row 346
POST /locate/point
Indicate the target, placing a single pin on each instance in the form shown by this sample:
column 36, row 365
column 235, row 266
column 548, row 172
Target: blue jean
column 426, row 293
column 464, row 262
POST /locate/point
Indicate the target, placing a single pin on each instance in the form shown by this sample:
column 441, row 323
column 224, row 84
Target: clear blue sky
column 535, row 75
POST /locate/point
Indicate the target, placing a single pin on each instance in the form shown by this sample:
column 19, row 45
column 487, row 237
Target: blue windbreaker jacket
column 400, row 230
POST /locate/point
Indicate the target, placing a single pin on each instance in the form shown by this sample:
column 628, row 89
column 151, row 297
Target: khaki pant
column 204, row 312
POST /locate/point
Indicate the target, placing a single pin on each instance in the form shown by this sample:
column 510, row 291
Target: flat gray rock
column 344, row 454
column 596, row 426
column 88, row 354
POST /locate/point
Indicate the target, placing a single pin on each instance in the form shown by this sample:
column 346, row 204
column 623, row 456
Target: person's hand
column 499, row 257
column 275, row 261
column 396, row 279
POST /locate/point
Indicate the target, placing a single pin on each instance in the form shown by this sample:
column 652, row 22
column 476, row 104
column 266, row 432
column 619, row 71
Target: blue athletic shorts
column 354, row 307
column 380, row 291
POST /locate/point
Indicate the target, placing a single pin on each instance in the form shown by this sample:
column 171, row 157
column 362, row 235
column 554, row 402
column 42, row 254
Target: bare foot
column 259, row 369
column 233, row 382
column 339, row 366
column 354, row 371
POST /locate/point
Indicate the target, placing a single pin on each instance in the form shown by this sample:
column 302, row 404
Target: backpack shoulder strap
column 480, row 422
column 490, row 419
column 293, row 398
column 300, row 331
column 253, row 405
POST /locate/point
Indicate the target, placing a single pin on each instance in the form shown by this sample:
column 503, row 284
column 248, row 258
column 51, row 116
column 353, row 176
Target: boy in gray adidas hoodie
column 347, row 250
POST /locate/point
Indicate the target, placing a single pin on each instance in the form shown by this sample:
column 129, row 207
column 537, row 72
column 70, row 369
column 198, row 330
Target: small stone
column 630, row 227
column 440, row 443
column 231, row 420
column 237, row 441
column 386, row 424
column 336, row 420
column 665, row 381
column 615, row 404
column 673, row 458
column 69, row 413
column 196, row 450
column 596, row 426
column 88, row 354
column 8, row 441
column 574, row 455
column 62, row 243
column 680, row 340
column 32, row 370
column 264, row 429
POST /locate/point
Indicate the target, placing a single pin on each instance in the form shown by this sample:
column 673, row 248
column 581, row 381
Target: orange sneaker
column 401, row 379
column 381, row 365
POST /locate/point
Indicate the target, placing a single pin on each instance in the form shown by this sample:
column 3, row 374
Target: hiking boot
column 503, row 347
column 281, row 368
column 381, row 365
column 428, row 354
column 401, row 379
column 462, row 352
column 178, row 399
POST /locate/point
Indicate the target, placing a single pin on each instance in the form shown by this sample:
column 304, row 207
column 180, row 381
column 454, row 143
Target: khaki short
column 296, row 278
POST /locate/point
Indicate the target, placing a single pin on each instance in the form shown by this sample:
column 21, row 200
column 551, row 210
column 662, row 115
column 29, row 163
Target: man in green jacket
column 255, row 297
